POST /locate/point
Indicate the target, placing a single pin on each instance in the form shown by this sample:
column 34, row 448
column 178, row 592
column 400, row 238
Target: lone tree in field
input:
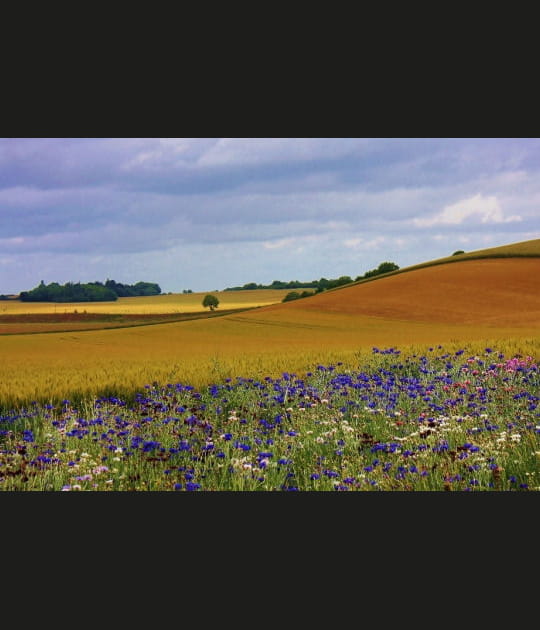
column 211, row 301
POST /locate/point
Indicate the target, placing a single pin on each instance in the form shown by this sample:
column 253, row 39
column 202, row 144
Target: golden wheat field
column 34, row 317
column 165, row 303
column 471, row 302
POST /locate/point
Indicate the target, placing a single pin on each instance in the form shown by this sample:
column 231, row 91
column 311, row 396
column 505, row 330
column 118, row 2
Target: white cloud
column 487, row 209
column 353, row 243
column 278, row 244
column 375, row 242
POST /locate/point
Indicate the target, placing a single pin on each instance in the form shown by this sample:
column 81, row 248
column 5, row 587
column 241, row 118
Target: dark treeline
column 318, row 285
column 133, row 290
column 89, row 292
column 384, row 267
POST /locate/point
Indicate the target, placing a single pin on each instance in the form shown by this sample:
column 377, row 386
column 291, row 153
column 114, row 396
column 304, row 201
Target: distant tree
column 459, row 251
column 69, row 292
column 210, row 301
column 384, row 267
column 146, row 288
column 295, row 295
column 292, row 295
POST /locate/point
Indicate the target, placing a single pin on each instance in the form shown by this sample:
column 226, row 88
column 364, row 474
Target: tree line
column 318, row 285
column 97, row 291
column 323, row 284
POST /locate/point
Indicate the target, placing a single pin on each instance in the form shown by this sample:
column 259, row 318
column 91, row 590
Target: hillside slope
column 527, row 249
column 486, row 291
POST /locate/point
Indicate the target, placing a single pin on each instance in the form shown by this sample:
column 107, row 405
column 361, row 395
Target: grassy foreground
column 437, row 421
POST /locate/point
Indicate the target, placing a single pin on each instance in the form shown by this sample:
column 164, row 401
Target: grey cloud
column 152, row 200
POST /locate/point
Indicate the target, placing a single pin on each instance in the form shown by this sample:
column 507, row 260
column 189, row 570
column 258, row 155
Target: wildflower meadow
column 433, row 421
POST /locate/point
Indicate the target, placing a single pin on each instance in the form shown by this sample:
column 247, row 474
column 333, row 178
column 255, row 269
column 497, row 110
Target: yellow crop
column 166, row 303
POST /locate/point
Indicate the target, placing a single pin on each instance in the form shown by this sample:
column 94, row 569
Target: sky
column 204, row 214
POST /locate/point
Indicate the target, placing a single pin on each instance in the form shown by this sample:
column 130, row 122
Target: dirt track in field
column 488, row 292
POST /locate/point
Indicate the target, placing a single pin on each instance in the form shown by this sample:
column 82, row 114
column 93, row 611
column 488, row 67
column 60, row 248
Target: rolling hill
column 492, row 287
column 491, row 300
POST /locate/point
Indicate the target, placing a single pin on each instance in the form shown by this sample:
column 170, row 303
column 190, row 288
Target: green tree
column 210, row 301
column 292, row 295
column 385, row 267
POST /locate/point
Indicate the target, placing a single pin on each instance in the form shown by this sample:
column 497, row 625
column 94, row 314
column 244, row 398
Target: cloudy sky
column 210, row 213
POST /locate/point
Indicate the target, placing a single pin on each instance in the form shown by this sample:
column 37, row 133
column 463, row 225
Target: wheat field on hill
column 484, row 292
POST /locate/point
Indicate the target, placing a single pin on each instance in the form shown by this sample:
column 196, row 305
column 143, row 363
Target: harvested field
column 32, row 323
column 487, row 292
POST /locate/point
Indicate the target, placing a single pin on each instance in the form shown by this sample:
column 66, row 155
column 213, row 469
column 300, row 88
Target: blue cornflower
column 330, row 473
column 28, row 436
column 192, row 486
column 178, row 486
column 150, row 445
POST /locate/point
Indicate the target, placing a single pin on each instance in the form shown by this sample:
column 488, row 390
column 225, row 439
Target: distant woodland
column 319, row 285
column 89, row 292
